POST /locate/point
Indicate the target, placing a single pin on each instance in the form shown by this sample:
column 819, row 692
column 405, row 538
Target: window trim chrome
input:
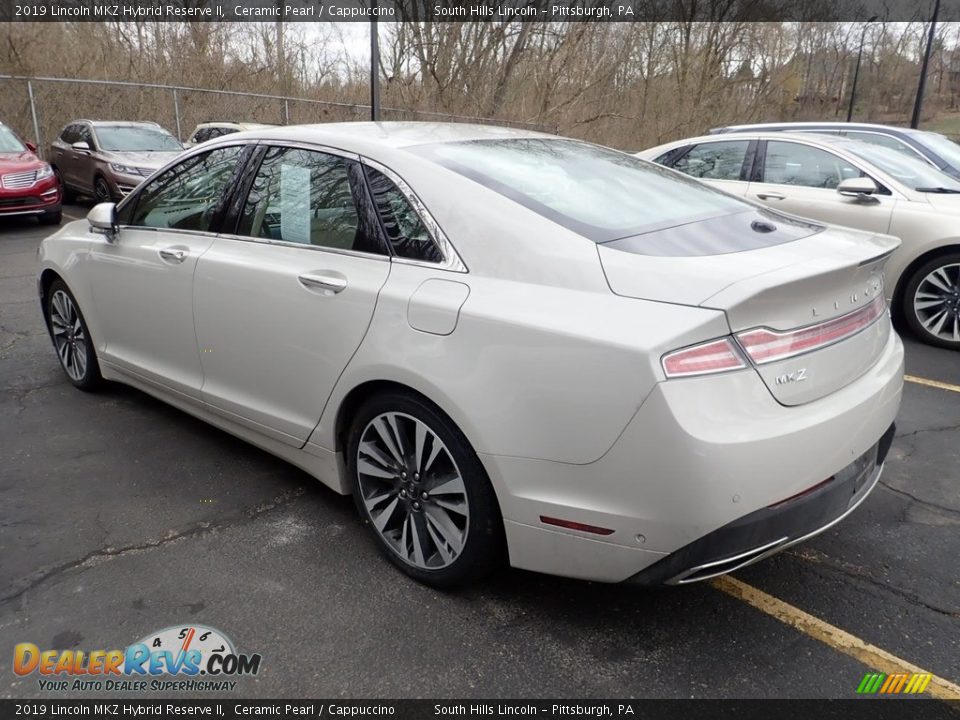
column 451, row 258
column 305, row 246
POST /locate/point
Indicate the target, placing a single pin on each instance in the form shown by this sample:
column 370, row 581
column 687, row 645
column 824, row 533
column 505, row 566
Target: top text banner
column 472, row 10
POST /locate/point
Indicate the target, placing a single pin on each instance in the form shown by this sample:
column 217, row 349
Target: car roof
column 122, row 123
column 392, row 134
column 810, row 125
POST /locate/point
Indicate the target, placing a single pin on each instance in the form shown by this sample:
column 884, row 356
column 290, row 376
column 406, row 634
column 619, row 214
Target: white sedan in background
column 849, row 182
column 507, row 346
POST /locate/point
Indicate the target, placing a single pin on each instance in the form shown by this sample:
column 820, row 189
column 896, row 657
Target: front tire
column 420, row 488
column 71, row 338
column 931, row 301
column 101, row 190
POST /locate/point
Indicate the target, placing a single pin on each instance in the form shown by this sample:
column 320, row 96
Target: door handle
column 771, row 196
column 330, row 283
column 176, row 256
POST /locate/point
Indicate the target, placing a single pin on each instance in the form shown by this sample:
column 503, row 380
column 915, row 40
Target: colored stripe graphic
column 912, row 683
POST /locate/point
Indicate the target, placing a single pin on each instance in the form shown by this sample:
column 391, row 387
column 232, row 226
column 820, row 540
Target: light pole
column 918, row 103
column 856, row 71
column 374, row 65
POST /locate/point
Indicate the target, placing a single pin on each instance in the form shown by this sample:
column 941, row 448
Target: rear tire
column 931, row 301
column 71, row 338
column 423, row 493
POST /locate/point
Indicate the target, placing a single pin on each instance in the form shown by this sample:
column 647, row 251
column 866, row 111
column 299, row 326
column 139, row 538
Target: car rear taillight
column 765, row 346
column 709, row 357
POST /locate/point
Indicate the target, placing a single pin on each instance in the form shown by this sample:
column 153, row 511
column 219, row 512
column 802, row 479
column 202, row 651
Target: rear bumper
column 700, row 456
column 772, row 529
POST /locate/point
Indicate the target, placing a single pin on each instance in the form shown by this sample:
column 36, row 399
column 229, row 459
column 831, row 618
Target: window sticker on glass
column 295, row 203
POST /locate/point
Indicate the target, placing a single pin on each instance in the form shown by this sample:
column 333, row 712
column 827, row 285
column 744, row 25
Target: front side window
column 913, row 172
column 70, row 134
column 187, row 196
column 790, row 163
column 305, row 197
column 405, row 231
column 136, row 138
column 84, row 135
column 715, row 160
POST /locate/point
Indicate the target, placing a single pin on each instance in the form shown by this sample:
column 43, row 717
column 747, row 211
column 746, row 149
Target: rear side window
column 306, row 197
column 789, row 163
column 883, row 141
column 405, row 231
column 715, row 160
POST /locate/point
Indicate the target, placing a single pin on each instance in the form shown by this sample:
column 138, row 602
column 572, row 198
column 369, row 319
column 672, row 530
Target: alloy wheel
column 412, row 490
column 69, row 337
column 936, row 302
column 101, row 190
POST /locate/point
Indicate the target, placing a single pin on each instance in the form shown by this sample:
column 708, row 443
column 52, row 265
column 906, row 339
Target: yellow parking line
column 932, row 383
column 840, row 640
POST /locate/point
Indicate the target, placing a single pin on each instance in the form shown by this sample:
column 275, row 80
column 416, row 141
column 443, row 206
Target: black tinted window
column 188, row 195
column 70, row 134
column 715, row 160
column 405, row 231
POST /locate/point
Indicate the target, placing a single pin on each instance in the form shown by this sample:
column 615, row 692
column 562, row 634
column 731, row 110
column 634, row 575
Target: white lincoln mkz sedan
column 507, row 346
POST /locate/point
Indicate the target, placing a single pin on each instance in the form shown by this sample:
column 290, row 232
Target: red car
column 28, row 185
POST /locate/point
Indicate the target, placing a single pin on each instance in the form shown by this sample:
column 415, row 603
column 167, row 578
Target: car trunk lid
column 809, row 305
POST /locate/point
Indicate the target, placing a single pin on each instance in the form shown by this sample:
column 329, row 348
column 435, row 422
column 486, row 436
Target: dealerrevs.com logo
column 187, row 658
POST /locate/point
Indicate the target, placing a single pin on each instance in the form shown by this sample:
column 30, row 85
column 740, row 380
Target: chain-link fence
column 38, row 107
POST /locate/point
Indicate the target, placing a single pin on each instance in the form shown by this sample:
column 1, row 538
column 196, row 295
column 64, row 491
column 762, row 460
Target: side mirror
column 81, row 145
column 103, row 220
column 31, row 147
column 861, row 188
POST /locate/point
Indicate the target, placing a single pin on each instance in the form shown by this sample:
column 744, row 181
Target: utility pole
column 375, row 65
column 856, row 72
column 918, row 103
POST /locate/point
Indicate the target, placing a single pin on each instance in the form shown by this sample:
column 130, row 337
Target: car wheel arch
column 915, row 263
column 47, row 278
column 360, row 393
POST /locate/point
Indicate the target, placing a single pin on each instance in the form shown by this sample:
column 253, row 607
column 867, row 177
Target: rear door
column 283, row 301
column 802, row 179
column 724, row 164
column 62, row 153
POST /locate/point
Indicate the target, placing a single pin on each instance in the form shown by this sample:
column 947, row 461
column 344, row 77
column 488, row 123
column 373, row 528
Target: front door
column 802, row 179
column 143, row 278
column 282, row 303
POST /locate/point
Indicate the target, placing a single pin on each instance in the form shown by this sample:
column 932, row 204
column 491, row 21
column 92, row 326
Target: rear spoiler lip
column 877, row 258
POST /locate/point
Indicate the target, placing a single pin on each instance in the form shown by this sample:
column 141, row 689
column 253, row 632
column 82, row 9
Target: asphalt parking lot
column 120, row 515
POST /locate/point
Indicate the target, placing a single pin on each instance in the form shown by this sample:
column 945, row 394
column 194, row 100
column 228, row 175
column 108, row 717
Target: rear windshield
column 130, row 138
column 9, row 142
column 601, row 194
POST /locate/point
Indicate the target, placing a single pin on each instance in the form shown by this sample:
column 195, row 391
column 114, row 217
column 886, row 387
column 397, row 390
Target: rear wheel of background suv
column 931, row 301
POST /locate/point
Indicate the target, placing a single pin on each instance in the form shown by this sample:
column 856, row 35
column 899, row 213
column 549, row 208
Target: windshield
column 9, row 142
column 599, row 193
column 911, row 171
column 133, row 138
column 942, row 146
